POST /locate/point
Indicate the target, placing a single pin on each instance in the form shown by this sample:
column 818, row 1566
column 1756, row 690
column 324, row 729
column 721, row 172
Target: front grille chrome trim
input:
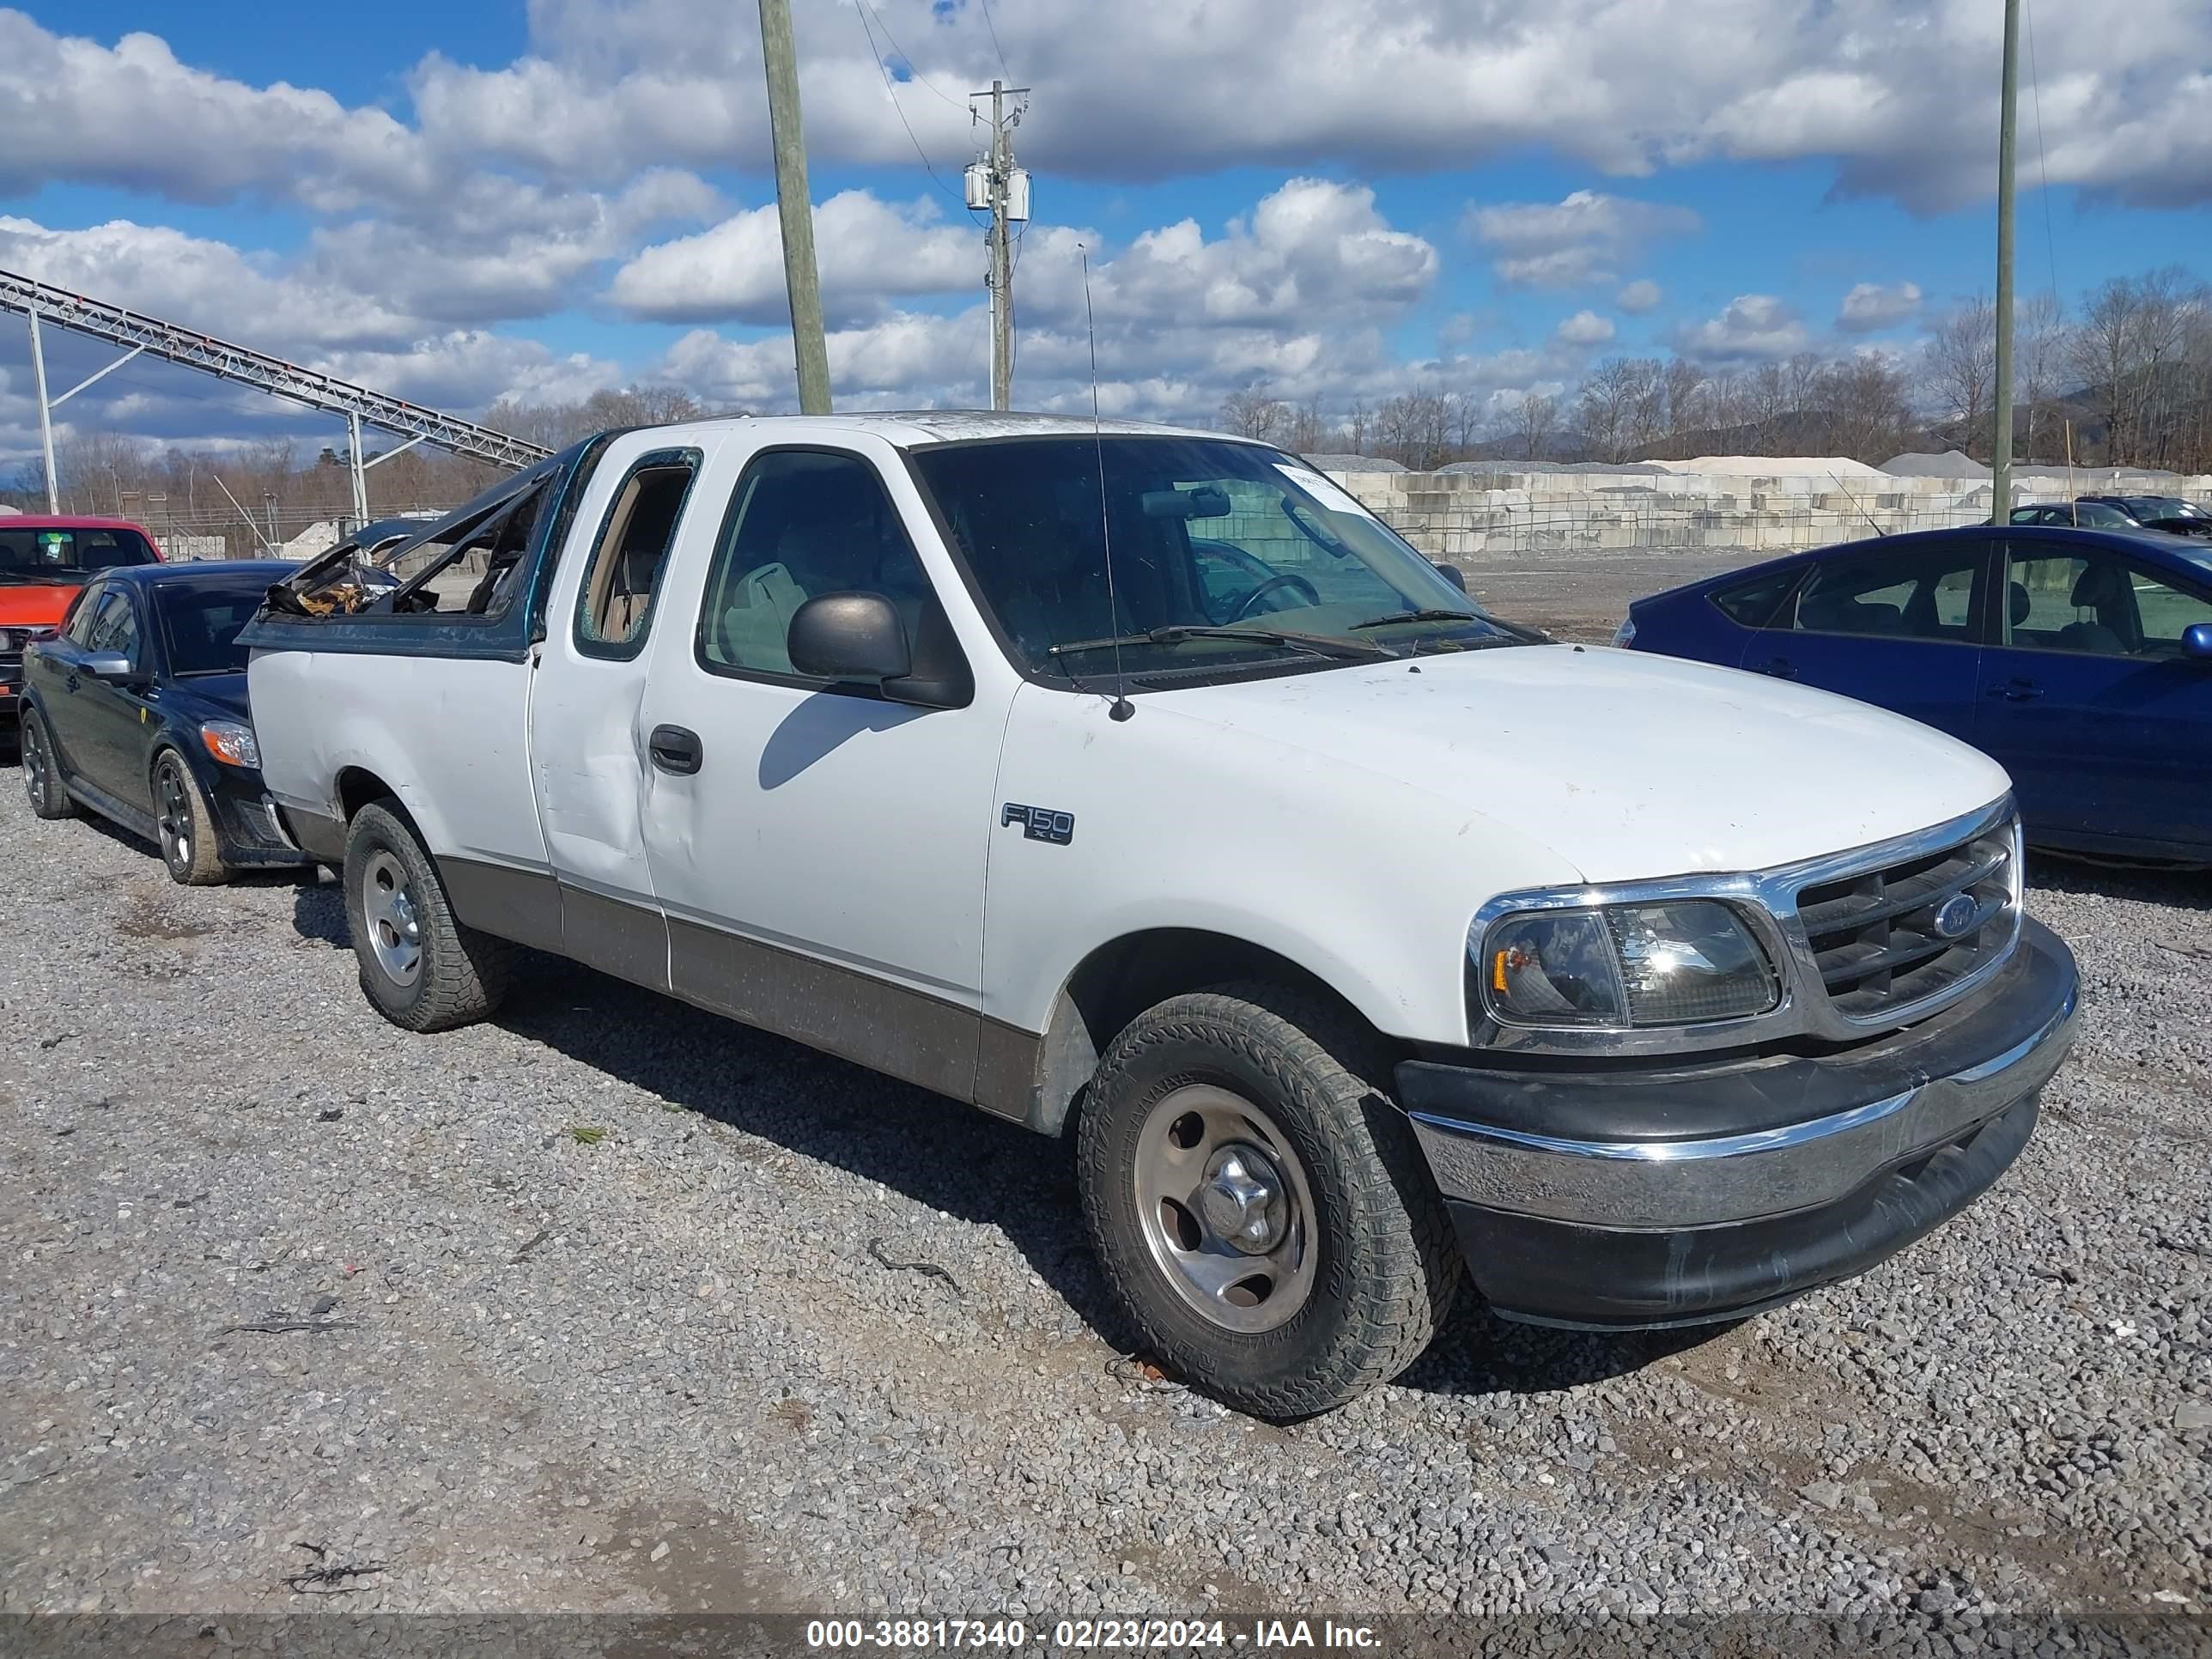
column 1767, row 902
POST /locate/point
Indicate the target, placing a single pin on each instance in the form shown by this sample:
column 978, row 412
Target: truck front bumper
column 1679, row 1194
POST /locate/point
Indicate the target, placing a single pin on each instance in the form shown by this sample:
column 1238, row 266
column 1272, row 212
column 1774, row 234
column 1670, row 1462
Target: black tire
column 1388, row 1266
column 184, row 828
column 459, row 973
column 42, row 769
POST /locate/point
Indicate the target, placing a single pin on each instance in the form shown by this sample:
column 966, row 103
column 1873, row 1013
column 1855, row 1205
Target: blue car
column 2080, row 660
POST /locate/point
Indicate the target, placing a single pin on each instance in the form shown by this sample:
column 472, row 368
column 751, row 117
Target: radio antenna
column 1121, row 707
column 1854, row 501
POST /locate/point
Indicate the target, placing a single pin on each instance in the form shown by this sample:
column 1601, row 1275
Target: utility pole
column 46, row 414
column 795, row 208
column 2008, row 121
column 1005, row 189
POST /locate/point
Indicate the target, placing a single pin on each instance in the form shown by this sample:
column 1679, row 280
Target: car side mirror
column 1453, row 574
column 859, row 638
column 2196, row 641
column 112, row 667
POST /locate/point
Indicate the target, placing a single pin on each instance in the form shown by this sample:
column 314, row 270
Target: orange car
column 45, row 561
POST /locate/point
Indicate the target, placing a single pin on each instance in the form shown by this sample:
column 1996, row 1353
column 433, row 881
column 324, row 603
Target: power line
column 995, row 48
column 861, row 10
column 904, row 56
column 2042, row 156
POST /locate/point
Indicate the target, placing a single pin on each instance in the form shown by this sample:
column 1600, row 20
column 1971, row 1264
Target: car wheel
column 42, row 772
column 422, row 968
column 184, row 826
column 1261, row 1210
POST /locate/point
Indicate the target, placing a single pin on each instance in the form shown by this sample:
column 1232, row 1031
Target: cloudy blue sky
column 1334, row 198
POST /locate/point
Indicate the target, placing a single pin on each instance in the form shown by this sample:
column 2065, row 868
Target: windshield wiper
column 1326, row 645
column 1423, row 616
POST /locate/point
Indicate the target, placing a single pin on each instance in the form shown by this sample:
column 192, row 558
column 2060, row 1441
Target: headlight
column 1625, row 635
column 231, row 742
column 1682, row 962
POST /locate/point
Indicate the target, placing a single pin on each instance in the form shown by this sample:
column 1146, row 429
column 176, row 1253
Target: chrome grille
column 1888, row 939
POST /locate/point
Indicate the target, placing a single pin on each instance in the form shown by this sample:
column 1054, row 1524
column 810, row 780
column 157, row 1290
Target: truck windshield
column 1226, row 555
column 65, row 553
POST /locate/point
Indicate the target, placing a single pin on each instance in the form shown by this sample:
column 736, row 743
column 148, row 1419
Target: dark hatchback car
column 137, row 711
column 2080, row 660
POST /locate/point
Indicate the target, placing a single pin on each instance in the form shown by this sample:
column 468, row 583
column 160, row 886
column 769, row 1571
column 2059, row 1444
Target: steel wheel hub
column 387, row 909
column 1225, row 1208
column 1242, row 1200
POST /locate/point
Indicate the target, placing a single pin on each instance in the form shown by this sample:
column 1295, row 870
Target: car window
column 2097, row 605
column 1924, row 595
column 36, row 549
column 76, row 628
column 1752, row 604
column 1204, row 534
column 801, row 523
column 200, row 623
column 614, row 606
column 114, row 627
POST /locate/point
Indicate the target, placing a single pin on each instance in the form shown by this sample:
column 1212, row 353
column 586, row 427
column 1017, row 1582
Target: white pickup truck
column 1139, row 785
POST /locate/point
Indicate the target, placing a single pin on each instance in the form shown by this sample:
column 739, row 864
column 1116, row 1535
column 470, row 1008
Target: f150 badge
column 1040, row 823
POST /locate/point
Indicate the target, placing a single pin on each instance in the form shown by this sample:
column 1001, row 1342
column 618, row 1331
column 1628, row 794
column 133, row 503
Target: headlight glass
column 1683, row 962
column 231, row 743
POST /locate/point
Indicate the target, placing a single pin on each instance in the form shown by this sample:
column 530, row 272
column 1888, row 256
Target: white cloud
column 1567, row 243
column 1640, row 298
column 1585, row 328
column 1750, row 327
column 868, row 250
column 1870, row 308
column 1899, row 94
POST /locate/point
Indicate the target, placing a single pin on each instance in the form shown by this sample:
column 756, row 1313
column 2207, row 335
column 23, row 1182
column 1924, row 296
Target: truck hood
column 1625, row 765
column 34, row 605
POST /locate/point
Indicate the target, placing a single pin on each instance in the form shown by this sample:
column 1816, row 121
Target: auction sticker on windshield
column 1335, row 500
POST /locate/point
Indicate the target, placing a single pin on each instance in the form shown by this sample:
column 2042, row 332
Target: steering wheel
column 1281, row 578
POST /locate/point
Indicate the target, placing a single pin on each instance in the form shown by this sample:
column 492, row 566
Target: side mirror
column 853, row 637
column 1453, row 574
column 860, row 640
column 111, row 666
column 2196, row 640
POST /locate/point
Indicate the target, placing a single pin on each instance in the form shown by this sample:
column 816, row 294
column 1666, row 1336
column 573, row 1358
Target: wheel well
column 1119, row 981
column 357, row 788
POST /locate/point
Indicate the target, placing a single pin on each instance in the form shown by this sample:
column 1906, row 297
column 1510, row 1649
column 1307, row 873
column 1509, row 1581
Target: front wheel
column 184, row 826
column 420, row 965
column 1261, row 1209
column 42, row 771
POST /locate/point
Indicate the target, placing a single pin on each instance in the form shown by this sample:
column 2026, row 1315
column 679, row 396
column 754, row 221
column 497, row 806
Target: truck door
column 817, row 849
column 587, row 750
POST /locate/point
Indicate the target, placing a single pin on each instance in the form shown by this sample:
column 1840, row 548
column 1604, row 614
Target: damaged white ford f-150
column 1140, row 785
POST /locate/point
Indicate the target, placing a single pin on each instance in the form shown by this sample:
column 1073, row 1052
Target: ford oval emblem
column 1956, row 919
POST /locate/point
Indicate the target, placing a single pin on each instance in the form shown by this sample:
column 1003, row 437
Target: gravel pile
column 614, row 1305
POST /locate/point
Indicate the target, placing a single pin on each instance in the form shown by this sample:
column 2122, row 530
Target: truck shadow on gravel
column 946, row 1156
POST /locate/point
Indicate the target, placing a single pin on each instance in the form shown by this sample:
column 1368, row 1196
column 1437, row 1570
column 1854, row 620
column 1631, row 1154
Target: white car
column 1140, row 784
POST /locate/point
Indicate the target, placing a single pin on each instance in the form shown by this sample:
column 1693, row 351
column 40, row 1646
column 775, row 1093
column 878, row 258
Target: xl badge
column 1040, row 823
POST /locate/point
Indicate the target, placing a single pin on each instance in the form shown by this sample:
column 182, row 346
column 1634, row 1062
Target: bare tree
column 2039, row 329
column 1538, row 418
column 1963, row 367
column 1252, row 413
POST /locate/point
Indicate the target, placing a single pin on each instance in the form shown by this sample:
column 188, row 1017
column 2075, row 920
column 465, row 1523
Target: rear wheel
column 184, row 826
column 419, row 964
column 1261, row 1210
column 42, row 773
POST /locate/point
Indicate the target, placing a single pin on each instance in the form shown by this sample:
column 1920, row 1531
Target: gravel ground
column 613, row 1305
